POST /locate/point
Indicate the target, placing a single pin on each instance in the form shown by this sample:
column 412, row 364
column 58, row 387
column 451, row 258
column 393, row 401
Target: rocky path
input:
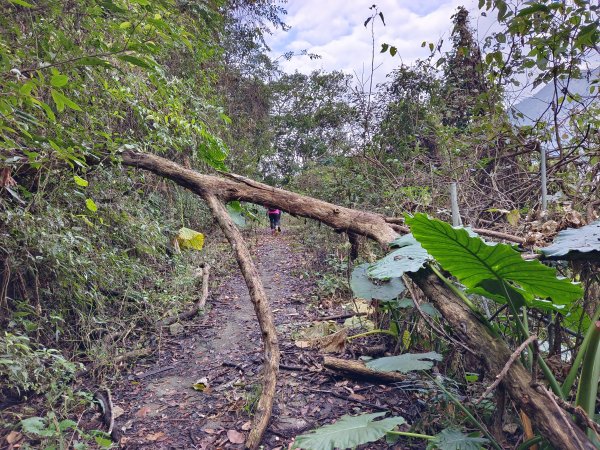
column 199, row 393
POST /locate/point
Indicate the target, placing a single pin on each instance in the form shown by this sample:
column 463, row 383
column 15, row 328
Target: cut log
column 356, row 369
column 548, row 418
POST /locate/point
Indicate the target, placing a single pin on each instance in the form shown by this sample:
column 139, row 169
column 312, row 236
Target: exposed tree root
column 549, row 419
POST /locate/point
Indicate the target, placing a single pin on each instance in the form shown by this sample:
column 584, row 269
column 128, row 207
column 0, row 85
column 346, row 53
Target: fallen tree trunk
column 240, row 188
column 552, row 422
column 548, row 418
column 260, row 302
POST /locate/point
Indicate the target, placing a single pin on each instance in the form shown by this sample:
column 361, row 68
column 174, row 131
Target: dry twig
column 504, row 371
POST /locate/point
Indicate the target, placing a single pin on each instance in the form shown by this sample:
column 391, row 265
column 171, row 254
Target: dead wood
column 4, row 281
column 500, row 235
column 502, row 374
column 264, row 315
column 236, row 187
column 203, row 272
column 549, row 419
column 356, row 369
column 132, row 355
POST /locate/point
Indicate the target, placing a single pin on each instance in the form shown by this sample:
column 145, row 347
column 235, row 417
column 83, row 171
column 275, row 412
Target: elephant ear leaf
column 348, row 432
column 450, row 439
column 575, row 241
column 491, row 270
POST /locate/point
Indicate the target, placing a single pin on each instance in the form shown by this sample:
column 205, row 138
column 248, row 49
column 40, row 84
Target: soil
column 200, row 389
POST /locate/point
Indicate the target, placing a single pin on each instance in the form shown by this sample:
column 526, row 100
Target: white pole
column 544, row 181
column 456, row 220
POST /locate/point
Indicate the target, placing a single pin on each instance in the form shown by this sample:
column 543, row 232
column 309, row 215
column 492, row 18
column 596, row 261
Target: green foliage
column 496, row 271
column 105, row 76
column 348, row 432
column 55, row 434
column 363, row 287
column 450, row 439
column 405, row 363
column 309, row 124
column 25, row 368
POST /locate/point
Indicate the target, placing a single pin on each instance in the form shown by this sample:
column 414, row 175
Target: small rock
column 290, row 425
column 176, row 329
column 118, row 411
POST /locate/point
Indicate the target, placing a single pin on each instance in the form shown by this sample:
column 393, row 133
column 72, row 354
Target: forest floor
column 220, row 353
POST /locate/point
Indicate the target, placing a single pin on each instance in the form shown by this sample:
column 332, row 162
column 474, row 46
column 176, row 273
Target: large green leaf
column 409, row 257
column 575, row 240
column 405, row 363
column 348, row 432
column 450, row 439
column 490, row 269
column 363, row 287
column 236, row 212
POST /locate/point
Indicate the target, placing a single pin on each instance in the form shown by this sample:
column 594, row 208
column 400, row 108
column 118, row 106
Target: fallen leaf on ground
column 155, row 436
column 235, row 437
column 118, row 411
column 143, row 411
column 13, row 437
column 247, row 426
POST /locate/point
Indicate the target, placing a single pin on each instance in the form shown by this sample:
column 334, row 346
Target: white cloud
column 334, row 29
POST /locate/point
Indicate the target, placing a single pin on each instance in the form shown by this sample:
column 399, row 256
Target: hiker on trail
column 274, row 219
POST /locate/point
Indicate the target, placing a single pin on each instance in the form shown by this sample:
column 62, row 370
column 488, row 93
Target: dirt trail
column 223, row 350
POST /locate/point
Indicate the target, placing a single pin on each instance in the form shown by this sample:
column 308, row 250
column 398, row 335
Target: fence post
column 544, row 181
column 456, row 220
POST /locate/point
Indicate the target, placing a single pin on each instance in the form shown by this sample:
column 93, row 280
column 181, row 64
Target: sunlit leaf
column 59, row 80
column 91, row 205
column 80, row 181
column 187, row 238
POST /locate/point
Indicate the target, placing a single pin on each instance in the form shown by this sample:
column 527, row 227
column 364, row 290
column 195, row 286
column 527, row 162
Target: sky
column 334, row 29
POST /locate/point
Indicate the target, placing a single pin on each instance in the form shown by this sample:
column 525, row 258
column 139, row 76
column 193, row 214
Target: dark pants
column 274, row 220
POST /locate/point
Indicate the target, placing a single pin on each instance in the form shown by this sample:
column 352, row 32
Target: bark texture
column 356, row 369
column 264, row 315
column 548, row 418
column 552, row 422
column 236, row 187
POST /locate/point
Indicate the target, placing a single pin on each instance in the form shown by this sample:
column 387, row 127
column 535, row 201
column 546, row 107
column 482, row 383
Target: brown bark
column 259, row 299
column 240, row 188
column 550, row 420
column 357, row 369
